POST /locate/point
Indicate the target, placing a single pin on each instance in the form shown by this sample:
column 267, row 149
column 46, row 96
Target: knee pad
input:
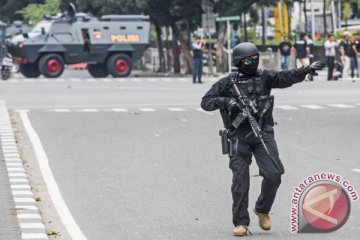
column 274, row 178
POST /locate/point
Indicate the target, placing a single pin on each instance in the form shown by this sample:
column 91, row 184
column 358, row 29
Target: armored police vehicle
column 109, row 46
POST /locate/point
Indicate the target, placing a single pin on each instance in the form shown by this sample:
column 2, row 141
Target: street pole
column 312, row 20
column 333, row 16
column 228, row 50
column 229, row 44
column 210, row 48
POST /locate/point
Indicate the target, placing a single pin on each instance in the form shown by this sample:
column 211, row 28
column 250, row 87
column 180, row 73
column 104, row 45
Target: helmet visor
column 251, row 60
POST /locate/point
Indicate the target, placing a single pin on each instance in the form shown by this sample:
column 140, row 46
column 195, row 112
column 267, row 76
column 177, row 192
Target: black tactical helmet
column 243, row 50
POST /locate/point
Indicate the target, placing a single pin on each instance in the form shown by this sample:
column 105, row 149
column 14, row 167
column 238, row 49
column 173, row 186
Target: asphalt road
column 138, row 160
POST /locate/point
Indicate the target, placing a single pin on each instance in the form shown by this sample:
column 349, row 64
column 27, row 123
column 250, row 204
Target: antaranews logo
column 321, row 203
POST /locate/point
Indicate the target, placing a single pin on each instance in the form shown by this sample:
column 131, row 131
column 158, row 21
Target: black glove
column 312, row 68
column 232, row 106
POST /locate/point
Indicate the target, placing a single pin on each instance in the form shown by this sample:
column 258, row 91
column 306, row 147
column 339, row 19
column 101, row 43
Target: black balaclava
column 249, row 69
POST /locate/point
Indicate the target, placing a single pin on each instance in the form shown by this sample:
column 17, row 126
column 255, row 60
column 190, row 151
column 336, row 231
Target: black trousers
column 330, row 62
column 270, row 169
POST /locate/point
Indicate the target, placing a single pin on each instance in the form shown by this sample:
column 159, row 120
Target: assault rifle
column 247, row 105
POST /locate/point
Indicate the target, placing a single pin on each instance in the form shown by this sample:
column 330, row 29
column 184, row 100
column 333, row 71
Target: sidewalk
column 9, row 227
column 20, row 218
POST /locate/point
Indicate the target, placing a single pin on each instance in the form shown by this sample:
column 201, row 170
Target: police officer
column 256, row 85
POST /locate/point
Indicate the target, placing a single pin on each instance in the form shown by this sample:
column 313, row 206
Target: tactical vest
column 255, row 88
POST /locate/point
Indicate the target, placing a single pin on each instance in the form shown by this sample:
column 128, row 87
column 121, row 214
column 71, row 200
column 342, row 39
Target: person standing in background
column 311, row 46
column 285, row 50
column 353, row 54
column 302, row 52
column 344, row 50
column 357, row 43
column 197, row 48
column 330, row 53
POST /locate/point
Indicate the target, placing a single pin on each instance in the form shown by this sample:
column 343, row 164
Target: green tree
column 35, row 12
column 9, row 8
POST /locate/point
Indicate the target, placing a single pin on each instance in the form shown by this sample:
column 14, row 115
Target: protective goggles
column 251, row 60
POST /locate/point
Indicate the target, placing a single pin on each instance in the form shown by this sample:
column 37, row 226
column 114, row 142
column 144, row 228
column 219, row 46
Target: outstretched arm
column 287, row 78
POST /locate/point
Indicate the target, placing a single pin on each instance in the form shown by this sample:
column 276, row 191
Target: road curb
column 27, row 213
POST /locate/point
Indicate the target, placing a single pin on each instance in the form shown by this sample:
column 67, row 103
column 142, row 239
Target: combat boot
column 264, row 220
column 241, row 231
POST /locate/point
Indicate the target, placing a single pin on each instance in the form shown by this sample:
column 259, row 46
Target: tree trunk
column 220, row 56
column 184, row 47
column 168, row 58
column 245, row 28
column 305, row 14
column 264, row 35
column 324, row 17
column 159, row 46
column 176, row 54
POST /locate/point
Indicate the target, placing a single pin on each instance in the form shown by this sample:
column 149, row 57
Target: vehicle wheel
column 5, row 73
column 51, row 65
column 98, row 70
column 119, row 65
column 30, row 70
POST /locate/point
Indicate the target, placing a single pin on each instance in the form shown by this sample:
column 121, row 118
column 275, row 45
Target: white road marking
column 34, row 236
column 13, row 160
column 14, row 165
column 9, row 155
column 24, row 186
column 119, row 110
column 52, row 187
column 176, row 109
column 60, row 110
column 121, row 79
column 9, row 144
column 29, row 193
column 59, row 80
column 26, row 207
column 89, row 110
column 341, row 105
column 147, row 109
column 28, row 80
column 106, row 79
column 183, row 80
column 44, row 80
column 286, row 107
column 356, row 170
column 11, row 175
column 16, row 169
column 24, row 200
column 152, row 79
column 90, row 80
column 312, row 106
column 10, row 151
column 29, row 216
column 32, row 225
column 167, row 79
column 19, row 180
column 137, row 80
column 75, row 79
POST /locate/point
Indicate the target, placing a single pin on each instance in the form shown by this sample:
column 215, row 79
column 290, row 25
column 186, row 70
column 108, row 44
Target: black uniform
column 257, row 87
